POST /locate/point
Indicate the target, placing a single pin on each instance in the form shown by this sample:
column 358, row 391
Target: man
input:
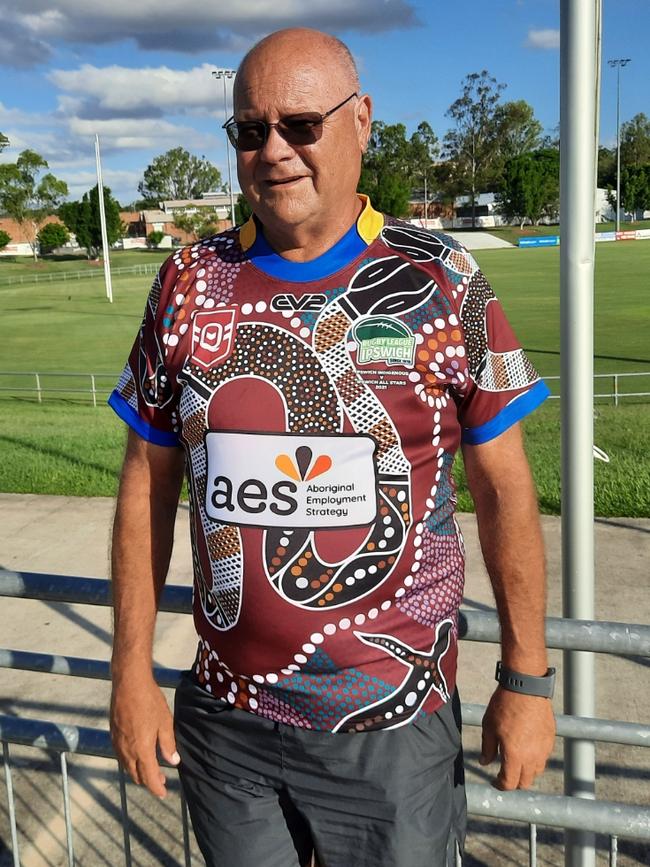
column 319, row 368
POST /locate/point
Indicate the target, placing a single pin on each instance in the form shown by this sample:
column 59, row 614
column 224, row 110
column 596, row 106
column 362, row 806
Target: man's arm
column 520, row 727
column 142, row 544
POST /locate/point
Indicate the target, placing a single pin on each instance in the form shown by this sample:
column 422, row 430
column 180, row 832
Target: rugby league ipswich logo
column 383, row 338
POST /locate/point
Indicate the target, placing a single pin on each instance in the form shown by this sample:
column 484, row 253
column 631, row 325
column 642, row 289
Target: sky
column 139, row 73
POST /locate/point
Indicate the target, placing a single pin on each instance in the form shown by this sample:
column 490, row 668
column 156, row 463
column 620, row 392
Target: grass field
column 25, row 265
column 66, row 447
column 512, row 234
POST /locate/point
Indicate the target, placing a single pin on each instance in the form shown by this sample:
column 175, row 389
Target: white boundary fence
column 82, row 274
column 40, row 384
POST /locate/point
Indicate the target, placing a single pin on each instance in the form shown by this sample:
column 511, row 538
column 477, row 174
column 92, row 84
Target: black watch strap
column 527, row 684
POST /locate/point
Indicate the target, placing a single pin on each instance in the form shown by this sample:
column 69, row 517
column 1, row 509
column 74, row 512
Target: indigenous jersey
column 320, row 405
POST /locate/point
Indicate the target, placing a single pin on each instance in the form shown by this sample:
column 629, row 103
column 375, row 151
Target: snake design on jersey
column 317, row 384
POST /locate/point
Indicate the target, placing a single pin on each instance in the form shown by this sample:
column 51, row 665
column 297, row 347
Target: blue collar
column 346, row 250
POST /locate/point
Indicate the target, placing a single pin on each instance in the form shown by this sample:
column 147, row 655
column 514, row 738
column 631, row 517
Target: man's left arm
column 519, row 728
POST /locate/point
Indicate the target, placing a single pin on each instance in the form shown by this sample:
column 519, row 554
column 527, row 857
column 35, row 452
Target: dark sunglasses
column 296, row 129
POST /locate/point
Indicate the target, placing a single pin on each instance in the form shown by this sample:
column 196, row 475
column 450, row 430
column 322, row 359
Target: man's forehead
column 277, row 86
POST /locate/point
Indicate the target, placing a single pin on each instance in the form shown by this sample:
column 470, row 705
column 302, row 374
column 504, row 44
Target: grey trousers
column 266, row 794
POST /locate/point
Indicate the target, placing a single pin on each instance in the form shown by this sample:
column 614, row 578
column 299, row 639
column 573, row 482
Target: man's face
column 289, row 185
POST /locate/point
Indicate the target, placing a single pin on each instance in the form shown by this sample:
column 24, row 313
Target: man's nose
column 275, row 148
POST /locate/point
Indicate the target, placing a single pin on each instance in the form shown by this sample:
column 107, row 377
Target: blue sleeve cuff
column 142, row 428
column 510, row 414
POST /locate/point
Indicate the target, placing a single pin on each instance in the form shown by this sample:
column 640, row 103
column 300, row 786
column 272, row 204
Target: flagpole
column 102, row 219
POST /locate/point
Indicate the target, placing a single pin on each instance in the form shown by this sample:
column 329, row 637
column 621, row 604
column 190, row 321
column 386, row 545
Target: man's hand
column 521, row 729
column 140, row 721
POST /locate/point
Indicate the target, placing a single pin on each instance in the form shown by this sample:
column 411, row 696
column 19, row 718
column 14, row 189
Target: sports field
column 65, row 446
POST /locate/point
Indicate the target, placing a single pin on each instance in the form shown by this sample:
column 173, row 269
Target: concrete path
column 479, row 240
column 69, row 535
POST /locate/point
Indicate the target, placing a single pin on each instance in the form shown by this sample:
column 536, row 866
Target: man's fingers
column 509, row 774
column 527, row 778
column 152, row 777
column 489, row 745
column 167, row 744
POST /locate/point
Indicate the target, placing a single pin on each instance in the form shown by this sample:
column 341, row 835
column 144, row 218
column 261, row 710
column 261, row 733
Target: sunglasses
column 296, row 129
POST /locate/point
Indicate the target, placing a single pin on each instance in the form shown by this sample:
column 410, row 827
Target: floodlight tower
column 223, row 74
column 621, row 61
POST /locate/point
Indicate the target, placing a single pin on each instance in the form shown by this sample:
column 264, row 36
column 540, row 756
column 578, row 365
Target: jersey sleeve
column 146, row 396
column 500, row 385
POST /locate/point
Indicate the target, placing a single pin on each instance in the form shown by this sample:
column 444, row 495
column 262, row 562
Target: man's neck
column 305, row 242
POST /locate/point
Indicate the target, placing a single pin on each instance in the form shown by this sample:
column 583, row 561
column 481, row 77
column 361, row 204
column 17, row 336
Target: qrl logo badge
column 213, row 336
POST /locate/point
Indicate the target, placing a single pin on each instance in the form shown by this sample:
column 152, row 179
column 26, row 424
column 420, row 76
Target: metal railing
column 41, row 388
column 611, row 818
column 616, row 394
column 146, row 268
column 38, row 384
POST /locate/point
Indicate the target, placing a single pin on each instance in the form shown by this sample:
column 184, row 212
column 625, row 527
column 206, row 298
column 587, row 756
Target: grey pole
column 621, row 61
column 578, row 49
column 223, row 74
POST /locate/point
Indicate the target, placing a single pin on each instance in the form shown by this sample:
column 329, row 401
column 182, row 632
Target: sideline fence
column 94, row 384
column 605, row 817
column 142, row 270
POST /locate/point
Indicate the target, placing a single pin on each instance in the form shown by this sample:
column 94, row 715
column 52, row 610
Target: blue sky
column 139, row 73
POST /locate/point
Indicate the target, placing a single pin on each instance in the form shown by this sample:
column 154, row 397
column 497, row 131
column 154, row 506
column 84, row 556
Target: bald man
column 314, row 371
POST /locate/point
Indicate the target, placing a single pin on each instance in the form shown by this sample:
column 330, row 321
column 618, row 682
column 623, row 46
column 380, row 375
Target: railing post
column 66, row 810
column 38, row 387
column 11, row 804
column 615, row 389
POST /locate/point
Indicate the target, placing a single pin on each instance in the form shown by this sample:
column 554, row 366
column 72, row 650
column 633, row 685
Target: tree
column 517, row 129
column 635, row 142
column 472, row 145
column 4, row 142
column 51, row 236
column 154, row 238
column 242, row 210
column 530, row 187
column 178, row 174
column 606, row 167
column 83, row 218
column 393, row 164
column 25, row 197
column 200, row 223
column 4, row 239
column 635, row 189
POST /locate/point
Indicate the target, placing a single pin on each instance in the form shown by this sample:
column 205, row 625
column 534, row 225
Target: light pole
column 223, row 74
column 621, row 61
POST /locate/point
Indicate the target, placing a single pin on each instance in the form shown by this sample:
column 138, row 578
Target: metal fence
column 617, row 392
column 146, row 268
column 42, row 384
column 606, row 817
column 87, row 384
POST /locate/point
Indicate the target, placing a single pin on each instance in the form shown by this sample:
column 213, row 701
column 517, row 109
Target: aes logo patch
column 290, row 480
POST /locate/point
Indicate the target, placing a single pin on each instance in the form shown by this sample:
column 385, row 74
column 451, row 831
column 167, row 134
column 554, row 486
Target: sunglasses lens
column 301, row 129
column 248, row 136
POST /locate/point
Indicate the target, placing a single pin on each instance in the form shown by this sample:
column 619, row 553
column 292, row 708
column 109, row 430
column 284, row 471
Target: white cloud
column 168, row 25
column 117, row 90
column 131, row 133
column 547, row 40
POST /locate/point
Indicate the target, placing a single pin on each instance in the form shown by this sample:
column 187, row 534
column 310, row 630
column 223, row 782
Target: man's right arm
column 142, row 544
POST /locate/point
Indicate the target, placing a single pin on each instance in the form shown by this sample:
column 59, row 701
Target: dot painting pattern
column 405, row 577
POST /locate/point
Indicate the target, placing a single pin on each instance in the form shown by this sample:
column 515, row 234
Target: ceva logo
column 302, row 469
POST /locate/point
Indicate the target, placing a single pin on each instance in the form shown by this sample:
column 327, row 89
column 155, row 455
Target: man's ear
column 364, row 120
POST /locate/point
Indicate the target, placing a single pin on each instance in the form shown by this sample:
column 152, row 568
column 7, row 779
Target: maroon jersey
column 320, row 406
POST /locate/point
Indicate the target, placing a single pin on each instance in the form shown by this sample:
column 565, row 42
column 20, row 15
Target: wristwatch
column 526, row 684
